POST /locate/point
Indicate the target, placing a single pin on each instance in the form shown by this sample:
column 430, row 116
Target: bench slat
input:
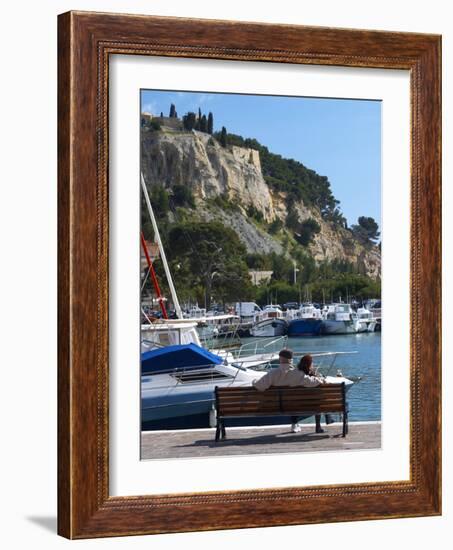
column 242, row 389
column 279, row 410
column 280, row 406
column 275, row 395
column 253, row 414
column 283, row 407
column 283, row 397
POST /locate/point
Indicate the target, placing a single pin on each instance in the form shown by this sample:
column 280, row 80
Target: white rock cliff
column 197, row 160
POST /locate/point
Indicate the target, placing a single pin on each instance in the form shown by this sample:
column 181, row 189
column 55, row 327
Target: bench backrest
column 327, row 398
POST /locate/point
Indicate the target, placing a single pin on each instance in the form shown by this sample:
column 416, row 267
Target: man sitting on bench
column 287, row 375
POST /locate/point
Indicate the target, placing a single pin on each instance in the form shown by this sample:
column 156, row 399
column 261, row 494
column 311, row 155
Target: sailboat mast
column 160, row 298
column 161, row 249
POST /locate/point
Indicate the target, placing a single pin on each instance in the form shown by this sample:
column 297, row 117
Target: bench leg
column 223, row 431
column 318, row 428
column 217, row 431
column 345, row 424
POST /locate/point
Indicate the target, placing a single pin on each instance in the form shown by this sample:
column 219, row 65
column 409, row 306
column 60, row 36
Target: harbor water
column 361, row 363
column 363, row 367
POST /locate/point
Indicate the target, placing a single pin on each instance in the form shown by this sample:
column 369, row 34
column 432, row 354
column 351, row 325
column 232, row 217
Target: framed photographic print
column 249, row 275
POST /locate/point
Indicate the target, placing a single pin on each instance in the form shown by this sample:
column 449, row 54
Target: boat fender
column 212, row 417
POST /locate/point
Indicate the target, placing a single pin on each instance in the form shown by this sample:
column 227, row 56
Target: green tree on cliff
column 223, row 137
column 189, row 121
column 182, row 196
column 159, row 200
column 210, row 123
column 306, row 231
column 292, row 219
column 215, row 256
column 203, row 124
column 367, row 230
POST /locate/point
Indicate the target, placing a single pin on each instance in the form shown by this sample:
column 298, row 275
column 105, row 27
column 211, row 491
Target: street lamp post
column 295, row 272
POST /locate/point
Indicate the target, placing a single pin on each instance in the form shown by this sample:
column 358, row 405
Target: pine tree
column 199, row 113
column 161, row 114
column 189, row 121
column 367, row 230
column 210, row 123
column 203, row 124
column 172, row 111
column 223, row 137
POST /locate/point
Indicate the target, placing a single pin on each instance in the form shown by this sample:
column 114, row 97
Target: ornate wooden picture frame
column 85, row 508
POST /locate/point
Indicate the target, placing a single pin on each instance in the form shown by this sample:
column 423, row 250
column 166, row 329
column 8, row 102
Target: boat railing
column 322, row 358
column 210, row 373
column 222, row 339
column 261, row 346
column 148, row 345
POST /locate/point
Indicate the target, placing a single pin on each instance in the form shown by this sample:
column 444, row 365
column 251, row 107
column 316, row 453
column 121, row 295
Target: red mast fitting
column 153, row 276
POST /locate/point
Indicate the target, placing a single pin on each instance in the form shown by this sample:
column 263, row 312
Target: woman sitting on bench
column 306, row 366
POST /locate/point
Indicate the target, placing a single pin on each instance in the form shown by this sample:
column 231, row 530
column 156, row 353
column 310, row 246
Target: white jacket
column 286, row 375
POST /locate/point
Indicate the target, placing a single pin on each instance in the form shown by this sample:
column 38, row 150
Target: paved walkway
column 259, row 440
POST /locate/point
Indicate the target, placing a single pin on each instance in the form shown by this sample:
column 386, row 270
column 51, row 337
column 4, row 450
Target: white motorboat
column 376, row 310
column 270, row 322
column 269, row 327
column 340, row 319
column 366, row 319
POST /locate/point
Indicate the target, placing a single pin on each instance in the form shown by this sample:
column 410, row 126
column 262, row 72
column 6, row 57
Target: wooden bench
column 241, row 402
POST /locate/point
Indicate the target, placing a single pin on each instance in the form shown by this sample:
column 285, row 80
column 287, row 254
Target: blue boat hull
column 177, row 405
column 304, row 327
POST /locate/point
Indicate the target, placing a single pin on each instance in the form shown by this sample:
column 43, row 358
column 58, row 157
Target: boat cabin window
column 200, row 376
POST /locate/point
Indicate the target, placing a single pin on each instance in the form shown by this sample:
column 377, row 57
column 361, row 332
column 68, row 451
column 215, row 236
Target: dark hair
column 305, row 364
column 288, row 353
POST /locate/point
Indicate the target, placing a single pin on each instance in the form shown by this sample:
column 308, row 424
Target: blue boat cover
column 184, row 356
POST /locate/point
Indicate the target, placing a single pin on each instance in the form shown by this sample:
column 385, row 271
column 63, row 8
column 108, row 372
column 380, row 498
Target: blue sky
column 338, row 138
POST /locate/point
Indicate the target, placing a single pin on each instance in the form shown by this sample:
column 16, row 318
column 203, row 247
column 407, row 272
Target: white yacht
column 270, row 322
column 340, row 319
column 366, row 319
